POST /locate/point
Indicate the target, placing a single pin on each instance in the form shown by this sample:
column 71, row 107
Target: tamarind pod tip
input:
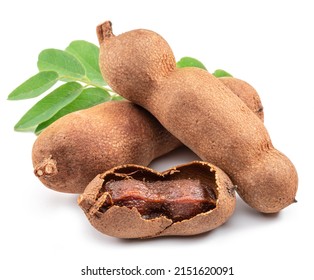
column 104, row 31
column 48, row 167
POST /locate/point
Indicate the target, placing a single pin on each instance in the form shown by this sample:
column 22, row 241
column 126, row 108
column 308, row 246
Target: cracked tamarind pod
column 132, row 201
column 200, row 111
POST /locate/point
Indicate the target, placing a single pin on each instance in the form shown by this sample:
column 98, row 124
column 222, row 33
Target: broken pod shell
column 132, row 201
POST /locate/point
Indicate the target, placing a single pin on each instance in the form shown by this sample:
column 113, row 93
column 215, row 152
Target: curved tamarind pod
column 203, row 113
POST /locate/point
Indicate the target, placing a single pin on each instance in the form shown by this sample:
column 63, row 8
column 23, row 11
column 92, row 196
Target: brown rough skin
column 202, row 112
column 101, row 209
column 57, row 152
column 72, row 151
column 246, row 93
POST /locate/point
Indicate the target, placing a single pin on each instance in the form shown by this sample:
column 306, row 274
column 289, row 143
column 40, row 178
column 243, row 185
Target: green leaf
column 190, row 62
column 88, row 98
column 88, row 54
column 34, row 86
column 219, row 73
column 62, row 62
column 117, row 98
column 48, row 106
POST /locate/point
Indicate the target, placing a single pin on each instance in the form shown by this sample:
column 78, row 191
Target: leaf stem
column 88, row 83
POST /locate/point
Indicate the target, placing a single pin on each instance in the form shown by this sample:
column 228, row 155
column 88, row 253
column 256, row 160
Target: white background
column 267, row 43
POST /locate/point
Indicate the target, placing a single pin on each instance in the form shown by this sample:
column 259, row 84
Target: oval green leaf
column 34, row 86
column 48, row 106
column 219, row 73
column 88, row 54
column 190, row 62
column 64, row 63
column 89, row 97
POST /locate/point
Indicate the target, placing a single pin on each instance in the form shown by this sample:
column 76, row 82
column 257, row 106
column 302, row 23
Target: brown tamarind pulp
column 177, row 200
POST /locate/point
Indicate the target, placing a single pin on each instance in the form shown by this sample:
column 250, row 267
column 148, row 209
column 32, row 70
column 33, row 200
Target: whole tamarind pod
column 132, row 201
column 73, row 150
column 202, row 112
